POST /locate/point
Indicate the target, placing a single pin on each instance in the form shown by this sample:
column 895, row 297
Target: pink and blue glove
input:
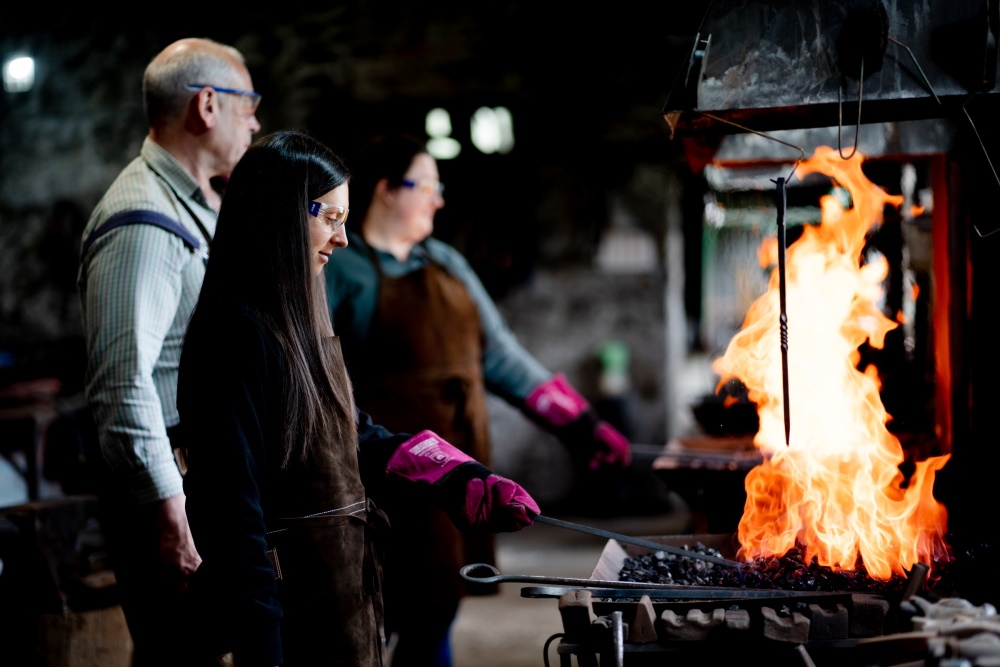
column 560, row 408
column 474, row 496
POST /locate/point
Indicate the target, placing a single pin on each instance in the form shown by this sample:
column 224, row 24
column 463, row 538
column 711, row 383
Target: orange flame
column 836, row 488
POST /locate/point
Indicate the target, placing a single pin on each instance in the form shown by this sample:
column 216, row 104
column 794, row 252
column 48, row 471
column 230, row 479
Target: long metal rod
column 553, row 587
column 782, row 204
column 467, row 572
column 639, row 542
column 656, row 592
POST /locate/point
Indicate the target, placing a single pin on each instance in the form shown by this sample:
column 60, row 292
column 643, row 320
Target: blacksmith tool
column 638, row 541
column 557, row 586
column 782, row 201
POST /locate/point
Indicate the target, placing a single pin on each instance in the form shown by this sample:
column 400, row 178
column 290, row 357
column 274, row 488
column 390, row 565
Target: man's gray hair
column 165, row 92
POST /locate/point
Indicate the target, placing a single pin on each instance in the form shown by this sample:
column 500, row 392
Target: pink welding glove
column 566, row 413
column 474, row 496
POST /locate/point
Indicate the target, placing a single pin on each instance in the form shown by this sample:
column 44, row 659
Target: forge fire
column 835, row 491
column 789, row 572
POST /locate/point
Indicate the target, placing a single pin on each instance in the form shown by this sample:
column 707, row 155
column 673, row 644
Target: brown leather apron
column 323, row 537
column 421, row 368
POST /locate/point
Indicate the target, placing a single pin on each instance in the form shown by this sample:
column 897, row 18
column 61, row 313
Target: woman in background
column 279, row 456
column 424, row 342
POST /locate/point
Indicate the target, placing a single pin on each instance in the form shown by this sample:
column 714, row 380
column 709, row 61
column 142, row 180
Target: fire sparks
column 836, row 488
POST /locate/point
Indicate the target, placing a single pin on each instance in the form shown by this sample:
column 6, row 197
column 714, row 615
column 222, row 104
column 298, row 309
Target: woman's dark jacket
column 229, row 398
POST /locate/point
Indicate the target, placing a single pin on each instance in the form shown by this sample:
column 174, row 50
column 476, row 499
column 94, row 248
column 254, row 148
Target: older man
column 142, row 265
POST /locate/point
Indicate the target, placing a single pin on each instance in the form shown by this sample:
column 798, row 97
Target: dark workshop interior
column 654, row 155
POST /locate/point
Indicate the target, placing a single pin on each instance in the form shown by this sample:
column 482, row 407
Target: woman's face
column 326, row 229
column 416, row 204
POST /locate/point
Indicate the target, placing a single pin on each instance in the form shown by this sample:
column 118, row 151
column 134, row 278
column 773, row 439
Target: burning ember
column 835, row 492
column 790, row 572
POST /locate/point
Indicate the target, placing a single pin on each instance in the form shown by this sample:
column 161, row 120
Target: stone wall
column 562, row 317
column 584, row 117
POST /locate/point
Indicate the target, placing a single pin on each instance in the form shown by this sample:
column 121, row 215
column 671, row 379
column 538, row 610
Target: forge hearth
column 904, row 624
column 789, row 572
column 912, row 88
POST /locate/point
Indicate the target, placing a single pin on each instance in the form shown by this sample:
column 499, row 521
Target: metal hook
column 967, row 117
column 919, row 68
column 802, row 153
column 985, row 154
column 840, row 115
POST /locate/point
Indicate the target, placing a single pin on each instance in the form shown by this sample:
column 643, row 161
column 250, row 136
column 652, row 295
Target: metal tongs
column 553, row 587
column 638, row 541
column 484, row 573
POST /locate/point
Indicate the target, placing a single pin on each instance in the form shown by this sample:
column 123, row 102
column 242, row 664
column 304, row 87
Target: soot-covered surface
column 788, row 572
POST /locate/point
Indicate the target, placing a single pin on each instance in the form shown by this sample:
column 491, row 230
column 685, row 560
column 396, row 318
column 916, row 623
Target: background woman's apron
column 421, row 367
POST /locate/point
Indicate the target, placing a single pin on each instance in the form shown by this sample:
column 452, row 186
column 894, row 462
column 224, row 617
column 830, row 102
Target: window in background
column 19, row 74
column 441, row 145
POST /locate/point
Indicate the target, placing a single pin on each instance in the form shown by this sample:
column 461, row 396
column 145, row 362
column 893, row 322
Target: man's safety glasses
column 251, row 98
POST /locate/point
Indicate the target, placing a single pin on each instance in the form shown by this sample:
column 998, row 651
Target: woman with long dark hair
column 425, row 344
column 278, row 455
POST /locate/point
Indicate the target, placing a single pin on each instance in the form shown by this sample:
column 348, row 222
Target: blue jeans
column 425, row 639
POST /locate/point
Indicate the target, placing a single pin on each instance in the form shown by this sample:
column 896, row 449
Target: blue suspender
column 147, row 218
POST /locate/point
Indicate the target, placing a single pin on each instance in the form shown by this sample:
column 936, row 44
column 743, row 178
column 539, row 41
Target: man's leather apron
column 323, row 546
column 421, row 368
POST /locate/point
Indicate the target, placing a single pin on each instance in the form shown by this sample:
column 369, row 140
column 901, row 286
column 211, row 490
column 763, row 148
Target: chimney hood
column 772, row 64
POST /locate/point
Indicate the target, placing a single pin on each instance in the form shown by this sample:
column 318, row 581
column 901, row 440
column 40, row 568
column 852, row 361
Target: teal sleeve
column 351, row 292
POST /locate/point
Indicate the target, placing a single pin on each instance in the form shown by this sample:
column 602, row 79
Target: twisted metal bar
column 782, row 201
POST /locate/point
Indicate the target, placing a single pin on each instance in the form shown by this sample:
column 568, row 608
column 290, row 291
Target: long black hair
column 260, row 257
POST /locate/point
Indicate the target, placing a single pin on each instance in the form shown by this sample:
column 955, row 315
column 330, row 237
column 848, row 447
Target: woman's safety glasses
column 428, row 188
column 333, row 216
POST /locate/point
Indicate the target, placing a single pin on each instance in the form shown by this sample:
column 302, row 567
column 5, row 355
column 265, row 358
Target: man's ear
column 204, row 111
